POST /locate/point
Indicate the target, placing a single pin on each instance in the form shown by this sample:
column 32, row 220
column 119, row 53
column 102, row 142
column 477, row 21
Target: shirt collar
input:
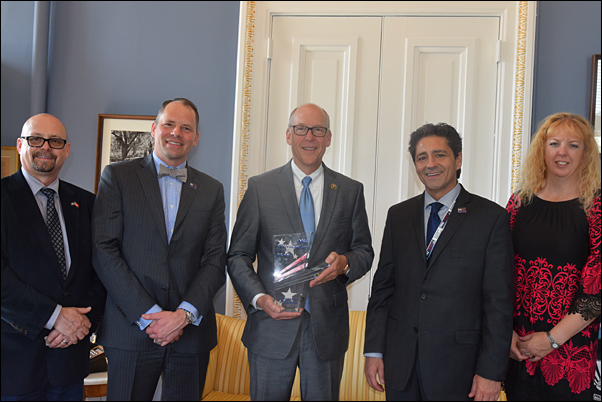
column 446, row 200
column 35, row 185
column 158, row 162
column 300, row 175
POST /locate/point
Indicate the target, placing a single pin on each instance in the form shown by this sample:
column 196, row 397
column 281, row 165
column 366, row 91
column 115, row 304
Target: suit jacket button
column 415, row 330
column 423, row 296
column 164, row 288
column 65, row 293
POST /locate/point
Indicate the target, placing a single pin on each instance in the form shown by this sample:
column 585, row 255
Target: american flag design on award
column 291, row 272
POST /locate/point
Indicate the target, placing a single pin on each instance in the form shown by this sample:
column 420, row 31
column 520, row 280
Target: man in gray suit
column 316, row 338
column 160, row 248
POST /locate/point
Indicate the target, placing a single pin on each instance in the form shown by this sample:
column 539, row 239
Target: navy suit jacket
column 32, row 286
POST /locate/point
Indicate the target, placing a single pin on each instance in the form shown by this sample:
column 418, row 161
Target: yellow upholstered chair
column 228, row 371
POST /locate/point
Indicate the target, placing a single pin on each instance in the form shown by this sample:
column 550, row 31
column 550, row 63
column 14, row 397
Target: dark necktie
column 306, row 208
column 433, row 222
column 54, row 229
column 180, row 174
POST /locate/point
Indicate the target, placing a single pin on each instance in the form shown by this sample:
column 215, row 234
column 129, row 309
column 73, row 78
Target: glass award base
column 291, row 298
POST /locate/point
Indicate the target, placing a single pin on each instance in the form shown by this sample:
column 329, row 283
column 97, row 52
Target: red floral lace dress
column 557, row 257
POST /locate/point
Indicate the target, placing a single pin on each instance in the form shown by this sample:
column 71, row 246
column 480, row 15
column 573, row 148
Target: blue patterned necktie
column 54, row 229
column 306, row 208
column 433, row 222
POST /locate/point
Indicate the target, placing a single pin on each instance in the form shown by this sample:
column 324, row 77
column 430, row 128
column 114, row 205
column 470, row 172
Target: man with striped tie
column 302, row 196
column 51, row 295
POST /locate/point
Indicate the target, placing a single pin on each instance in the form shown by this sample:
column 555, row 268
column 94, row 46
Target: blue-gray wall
column 17, row 43
column 568, row 35
column 127, row 58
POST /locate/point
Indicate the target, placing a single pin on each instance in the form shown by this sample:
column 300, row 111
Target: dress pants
column 272, row 379
column 71, row 392
column 134, row 375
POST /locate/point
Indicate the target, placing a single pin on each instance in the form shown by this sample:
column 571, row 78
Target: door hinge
column 498, row 51
column 269, row 48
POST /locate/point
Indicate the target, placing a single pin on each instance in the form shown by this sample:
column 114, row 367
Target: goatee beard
column 43, row 169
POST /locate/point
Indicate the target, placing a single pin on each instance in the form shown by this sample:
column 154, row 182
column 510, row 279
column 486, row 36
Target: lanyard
column 433, row 241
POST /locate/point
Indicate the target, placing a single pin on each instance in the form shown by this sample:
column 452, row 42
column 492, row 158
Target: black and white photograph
column 122, row 138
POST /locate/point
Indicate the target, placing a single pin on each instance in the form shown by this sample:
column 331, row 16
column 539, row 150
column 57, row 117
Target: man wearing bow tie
column 160, row 249
column 51, row 296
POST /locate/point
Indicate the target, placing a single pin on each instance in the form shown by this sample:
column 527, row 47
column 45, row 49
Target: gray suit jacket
column 270, row 207
column 140, row 269
column 457, row 307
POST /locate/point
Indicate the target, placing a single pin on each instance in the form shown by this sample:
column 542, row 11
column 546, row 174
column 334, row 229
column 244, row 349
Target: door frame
column 513, row 104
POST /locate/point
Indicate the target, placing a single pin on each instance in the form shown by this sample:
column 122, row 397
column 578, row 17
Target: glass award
column 291, row 272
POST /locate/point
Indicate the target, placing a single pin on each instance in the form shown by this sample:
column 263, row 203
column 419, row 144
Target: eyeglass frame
column 45, row 140
column 312, row 131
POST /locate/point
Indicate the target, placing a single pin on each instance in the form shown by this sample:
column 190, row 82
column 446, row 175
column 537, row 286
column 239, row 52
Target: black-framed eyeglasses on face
column 38, row 142
column 316, row 131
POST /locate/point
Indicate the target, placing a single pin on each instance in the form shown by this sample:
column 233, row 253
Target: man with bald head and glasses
column 302, row 196
column 51, row 295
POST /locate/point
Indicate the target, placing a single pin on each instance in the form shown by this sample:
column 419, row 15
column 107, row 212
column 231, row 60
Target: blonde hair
column 534, row 172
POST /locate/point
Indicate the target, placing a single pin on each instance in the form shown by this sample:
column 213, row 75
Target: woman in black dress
column 555, row 219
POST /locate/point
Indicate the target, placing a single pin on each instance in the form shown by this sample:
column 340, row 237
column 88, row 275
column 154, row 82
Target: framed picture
column 10, row 161
column 122, row 137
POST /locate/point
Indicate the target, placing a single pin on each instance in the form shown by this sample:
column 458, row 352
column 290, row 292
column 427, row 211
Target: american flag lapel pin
column 462, row 210
column 193, row 185
column 75, row 204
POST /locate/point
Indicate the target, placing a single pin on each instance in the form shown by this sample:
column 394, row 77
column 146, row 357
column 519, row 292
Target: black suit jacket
column 32, row 286
column 140, row 269
column 456, row 309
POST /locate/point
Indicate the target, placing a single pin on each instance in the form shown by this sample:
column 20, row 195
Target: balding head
column 43, row 162
column 309, row 106
column 48, row 121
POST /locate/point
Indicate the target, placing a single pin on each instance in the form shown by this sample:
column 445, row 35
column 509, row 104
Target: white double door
column 380, row 78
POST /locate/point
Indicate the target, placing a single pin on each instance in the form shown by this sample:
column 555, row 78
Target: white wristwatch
column 554, row 344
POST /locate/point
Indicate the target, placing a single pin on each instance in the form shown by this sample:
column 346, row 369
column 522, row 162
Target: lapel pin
column 193, row 185
column 333, row 186
column 462, row 210
column 75, row 204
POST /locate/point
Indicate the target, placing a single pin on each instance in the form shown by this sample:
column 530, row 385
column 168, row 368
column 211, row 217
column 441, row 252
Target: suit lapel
column 27, row 208
column 147, row 173
column 331, row 191
column 418, row 222
column 71, row 212
column 289, row 197
column 453, row 223
column 189, row 191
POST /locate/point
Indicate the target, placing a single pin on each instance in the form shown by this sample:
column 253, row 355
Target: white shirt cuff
column 254, row 302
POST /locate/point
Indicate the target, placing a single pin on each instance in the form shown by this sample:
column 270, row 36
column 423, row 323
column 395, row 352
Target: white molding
column 236, row 134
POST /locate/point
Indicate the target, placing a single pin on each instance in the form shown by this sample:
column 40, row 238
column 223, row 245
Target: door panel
column 380, row 78
column 333, row 62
